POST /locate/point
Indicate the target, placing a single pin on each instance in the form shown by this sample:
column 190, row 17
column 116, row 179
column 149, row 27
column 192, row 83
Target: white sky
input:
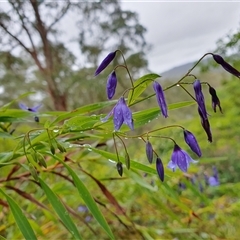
column 182, row 31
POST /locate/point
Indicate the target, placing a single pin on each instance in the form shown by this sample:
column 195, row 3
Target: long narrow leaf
column 89, row 201
column 60, row 210
column 20, row 218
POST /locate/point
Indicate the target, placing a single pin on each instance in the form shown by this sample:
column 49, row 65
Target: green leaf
column 6, row 106
column 87, row 198
column 6, row 156
column 134, row 164
column 146, row 116
column 20, row 218
column 80, row 123
column 60, row 210
column 140, row 85
column 82, row 110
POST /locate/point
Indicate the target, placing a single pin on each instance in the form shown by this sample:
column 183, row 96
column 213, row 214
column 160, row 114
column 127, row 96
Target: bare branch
column 60, row 16
column 23, row 17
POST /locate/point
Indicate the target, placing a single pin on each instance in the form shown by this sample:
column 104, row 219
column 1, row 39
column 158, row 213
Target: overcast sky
column 182, row 31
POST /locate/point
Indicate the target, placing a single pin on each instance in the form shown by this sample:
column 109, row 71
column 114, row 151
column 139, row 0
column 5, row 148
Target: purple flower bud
column 106, row 61
column 192, row 142
column 121, row 114
column 160, row 168
column 200, row 98
column 180, row 159
column 149, row 151
column 226, row 65
column 119, row 168
column 206, row 126
column 215, row 99
column 160, row 98
column 111, row 85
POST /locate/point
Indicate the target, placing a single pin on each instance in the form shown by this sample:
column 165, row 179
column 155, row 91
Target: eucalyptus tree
column 34, row 32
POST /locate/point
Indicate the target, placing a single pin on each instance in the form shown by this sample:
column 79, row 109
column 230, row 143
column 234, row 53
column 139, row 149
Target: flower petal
column 149, row 151
column 160, row 98
column 200, row 98
column 23, row 106
column 160, row 168
column 118, row 115
column 192, row 142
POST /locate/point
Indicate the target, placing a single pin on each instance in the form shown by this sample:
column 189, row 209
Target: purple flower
column 106, row 61
column 180, row 159
column 192, row 142
column 149, row 151
column 215, row 99
column 111, row 85
column 121, row 114
column 226, row 65
column 200, row 98
column 160, row 168
column 212, row 181
column 33, row 109
column 82, row 208
column 160, row 98
column 206, row 126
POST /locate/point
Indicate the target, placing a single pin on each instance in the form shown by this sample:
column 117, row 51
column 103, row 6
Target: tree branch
column 22, row 18
column 61, row 15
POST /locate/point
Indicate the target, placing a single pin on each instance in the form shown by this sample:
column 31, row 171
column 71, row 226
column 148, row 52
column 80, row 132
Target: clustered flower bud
column 122, row 114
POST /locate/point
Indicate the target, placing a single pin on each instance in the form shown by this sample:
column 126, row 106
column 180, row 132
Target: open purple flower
column 160, row 98
column 149, row 151
column 218, row 59
column 200, row 98
column 160, row 168
column 111, row 85
column 215, row 99
column 192, row 142
column 32, row 109
column 106, row 61
column 180, row 159
column 121, row 114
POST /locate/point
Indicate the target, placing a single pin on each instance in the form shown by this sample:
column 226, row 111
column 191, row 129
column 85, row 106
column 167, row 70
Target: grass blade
column 87, row 198
column 20, row 218
column 60, row 210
